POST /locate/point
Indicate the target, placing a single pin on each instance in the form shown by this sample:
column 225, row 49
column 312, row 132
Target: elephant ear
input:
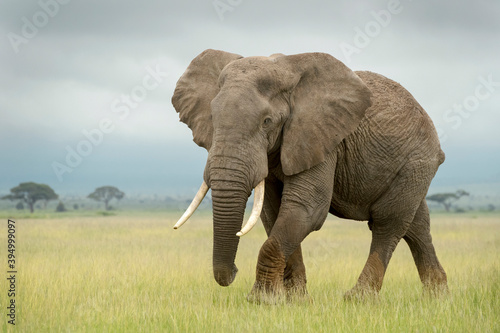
column 327, row 103
column 195, row 90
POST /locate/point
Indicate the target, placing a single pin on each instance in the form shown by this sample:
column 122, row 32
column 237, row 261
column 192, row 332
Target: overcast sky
column 68, row 69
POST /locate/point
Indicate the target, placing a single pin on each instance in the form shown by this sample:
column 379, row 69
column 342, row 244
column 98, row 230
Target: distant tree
column 30, row 193
column 446, row 199
column 106, row 194
column 75, row 206
column 19, row 206
column 60, row 207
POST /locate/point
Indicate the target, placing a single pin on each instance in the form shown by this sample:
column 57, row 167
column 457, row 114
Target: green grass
column 136, row 274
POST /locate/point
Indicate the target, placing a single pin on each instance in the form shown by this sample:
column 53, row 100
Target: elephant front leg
column 294, row 278
column 276, row 280
column 269, row 287
column 280, row 273
column 304, row 202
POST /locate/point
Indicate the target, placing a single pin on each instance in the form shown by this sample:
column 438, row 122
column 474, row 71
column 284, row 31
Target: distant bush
column 19, row 206
column 60, row 207
column 75, row 207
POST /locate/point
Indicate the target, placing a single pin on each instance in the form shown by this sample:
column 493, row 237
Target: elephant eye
column 267, row 121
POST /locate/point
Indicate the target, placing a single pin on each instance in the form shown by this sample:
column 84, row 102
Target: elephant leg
column 294, row 277
column 383, row 245
column 280, row 272
column 304, row 207
column 272, row 203
column 418, row 238
column 391, row 217
column 274, row 278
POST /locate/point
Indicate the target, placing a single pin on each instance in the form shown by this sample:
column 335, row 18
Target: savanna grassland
column 133, row 273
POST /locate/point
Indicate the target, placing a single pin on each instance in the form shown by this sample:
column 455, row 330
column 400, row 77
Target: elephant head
column 244, row 110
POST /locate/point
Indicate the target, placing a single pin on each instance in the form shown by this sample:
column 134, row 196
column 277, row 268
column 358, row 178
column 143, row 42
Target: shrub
column 60, row 207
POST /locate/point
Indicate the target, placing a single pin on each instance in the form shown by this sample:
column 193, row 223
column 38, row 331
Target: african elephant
column 312, row 137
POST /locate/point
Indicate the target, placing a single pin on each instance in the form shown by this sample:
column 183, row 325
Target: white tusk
column 194, row 204
column 257, row 208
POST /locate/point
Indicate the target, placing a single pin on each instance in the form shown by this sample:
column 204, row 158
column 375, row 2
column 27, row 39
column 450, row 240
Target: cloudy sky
column 85, row 86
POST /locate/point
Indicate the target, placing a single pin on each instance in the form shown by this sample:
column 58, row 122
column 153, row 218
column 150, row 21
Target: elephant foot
column 359, row 293
column 295, row 288
column 269, row 296
column 298, row 296
column 435, row 282
column 269, row 287
column 369, row 281
column 436, row 290
column 287, row 292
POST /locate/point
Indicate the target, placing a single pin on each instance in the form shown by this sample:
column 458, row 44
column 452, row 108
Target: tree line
column 30, row 193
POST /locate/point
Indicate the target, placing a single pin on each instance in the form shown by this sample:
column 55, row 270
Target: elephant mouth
column 252, row 220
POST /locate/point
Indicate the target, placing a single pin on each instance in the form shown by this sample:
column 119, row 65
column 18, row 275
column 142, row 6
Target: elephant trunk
column 231, row 175
column 229, row 200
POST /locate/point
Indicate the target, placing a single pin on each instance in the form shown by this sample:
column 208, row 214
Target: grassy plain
column 133, row 273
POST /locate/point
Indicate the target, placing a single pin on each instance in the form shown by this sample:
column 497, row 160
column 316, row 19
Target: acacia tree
column 30, row 193
column 446, row 199
column 106, row 194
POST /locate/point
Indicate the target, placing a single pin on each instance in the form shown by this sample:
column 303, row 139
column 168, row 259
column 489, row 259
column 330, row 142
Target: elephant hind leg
column 391, row 218
column 418, row 238
column 384, row 242
column 386, row 234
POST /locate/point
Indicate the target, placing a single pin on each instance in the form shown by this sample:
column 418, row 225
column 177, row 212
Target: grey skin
column 325, row 139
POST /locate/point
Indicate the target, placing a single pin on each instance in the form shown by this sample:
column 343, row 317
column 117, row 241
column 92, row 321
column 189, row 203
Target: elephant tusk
column 257, row 208
column 194, row 204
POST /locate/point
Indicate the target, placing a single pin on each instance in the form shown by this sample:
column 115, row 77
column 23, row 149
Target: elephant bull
column 312, row 137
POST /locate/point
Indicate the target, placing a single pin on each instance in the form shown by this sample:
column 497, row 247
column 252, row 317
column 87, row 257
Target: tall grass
column 136, row 274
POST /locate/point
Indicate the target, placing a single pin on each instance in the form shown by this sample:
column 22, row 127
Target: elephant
column 312, row 137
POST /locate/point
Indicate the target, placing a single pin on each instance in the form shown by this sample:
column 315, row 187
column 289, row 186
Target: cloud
column 65, row 78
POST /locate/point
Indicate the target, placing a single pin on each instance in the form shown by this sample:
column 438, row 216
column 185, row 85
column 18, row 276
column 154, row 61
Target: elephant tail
column 441, row 156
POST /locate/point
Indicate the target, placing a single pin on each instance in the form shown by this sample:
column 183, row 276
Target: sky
column 85, row 86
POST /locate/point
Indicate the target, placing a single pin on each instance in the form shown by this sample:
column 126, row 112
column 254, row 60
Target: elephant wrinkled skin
column 324, row 139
